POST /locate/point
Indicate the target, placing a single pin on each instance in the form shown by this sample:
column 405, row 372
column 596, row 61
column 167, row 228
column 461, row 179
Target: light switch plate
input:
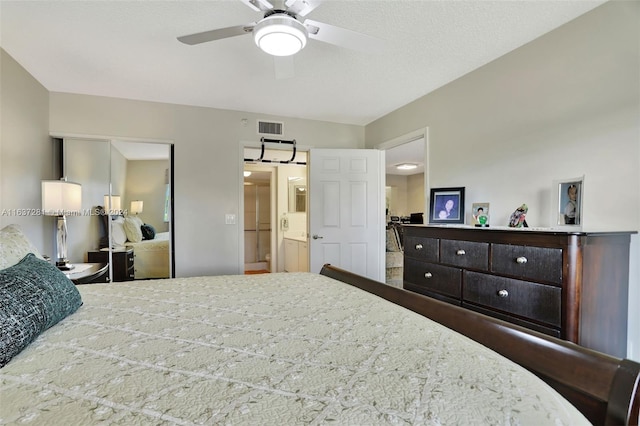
column 230, row 219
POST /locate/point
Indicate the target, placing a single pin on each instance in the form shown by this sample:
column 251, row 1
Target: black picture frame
column 440, row 211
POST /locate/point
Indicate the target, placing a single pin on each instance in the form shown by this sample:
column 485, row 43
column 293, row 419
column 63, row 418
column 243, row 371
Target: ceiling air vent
column 270, row 128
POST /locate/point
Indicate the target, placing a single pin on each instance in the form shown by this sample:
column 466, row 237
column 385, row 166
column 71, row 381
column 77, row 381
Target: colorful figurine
column 517, row 219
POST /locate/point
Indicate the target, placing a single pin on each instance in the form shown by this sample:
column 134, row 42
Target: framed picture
column 446, row 205
column 480, row 214
column 567, row 205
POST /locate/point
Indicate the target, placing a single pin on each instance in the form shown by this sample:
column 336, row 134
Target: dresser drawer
column 535, row 263
column 421, row 248
column 429, row 276
column 537, row 302
column 466, row 254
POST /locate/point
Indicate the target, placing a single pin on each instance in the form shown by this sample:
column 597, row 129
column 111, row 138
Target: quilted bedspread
column 272, row 349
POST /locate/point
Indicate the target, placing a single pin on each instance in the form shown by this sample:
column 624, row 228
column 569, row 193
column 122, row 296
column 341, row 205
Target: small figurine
column 517, row 219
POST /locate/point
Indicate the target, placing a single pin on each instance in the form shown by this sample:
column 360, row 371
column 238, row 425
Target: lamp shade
column 60, row 198
column 112, row 207
column 136, row 206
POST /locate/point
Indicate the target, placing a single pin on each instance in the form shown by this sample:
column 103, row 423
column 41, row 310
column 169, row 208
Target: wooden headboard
column 604, row 388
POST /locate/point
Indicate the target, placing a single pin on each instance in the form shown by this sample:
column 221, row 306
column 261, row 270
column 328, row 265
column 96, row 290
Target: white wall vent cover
column 270, row 128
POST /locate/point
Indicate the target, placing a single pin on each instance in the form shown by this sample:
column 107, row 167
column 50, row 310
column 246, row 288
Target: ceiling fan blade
column 342, row 37
column 301, row 7
column 258, row 5
column 218, row 34
column 284, row 67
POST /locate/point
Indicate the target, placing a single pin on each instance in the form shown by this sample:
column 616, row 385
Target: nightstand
column 88, row 273
column 122, row 262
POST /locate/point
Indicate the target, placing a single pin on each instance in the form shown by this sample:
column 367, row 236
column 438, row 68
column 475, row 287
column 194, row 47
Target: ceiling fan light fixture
column 280, row 35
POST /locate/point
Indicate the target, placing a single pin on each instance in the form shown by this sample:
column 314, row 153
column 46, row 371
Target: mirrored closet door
column 126, row 218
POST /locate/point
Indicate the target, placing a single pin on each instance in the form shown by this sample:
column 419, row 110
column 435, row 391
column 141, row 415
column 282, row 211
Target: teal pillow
column 148, row 232
column 34, row 295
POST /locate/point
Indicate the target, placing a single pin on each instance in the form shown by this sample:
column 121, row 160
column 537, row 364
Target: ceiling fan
column 281, row 32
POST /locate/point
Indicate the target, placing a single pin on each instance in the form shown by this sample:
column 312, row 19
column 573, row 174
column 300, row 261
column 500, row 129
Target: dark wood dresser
column 571, row 285
column 123, row 267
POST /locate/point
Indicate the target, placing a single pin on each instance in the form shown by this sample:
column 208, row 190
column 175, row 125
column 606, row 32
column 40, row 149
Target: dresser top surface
column 530, row 230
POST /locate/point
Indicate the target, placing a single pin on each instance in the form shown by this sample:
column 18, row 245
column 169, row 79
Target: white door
column 346, row 210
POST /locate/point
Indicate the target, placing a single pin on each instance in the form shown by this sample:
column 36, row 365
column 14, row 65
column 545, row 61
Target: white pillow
column 118, row 234
column 14, row 245
column 132, row 228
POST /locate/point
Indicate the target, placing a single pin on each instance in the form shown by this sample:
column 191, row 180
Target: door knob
column 316, row 237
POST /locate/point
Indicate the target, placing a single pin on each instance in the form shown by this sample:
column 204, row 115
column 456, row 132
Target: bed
column 150, row 249
column 293, row 348
column 151, row 257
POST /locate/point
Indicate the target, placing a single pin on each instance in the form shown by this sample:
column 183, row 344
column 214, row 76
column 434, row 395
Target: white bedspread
column 151, row 257
column 273, row 349
column 160, row 242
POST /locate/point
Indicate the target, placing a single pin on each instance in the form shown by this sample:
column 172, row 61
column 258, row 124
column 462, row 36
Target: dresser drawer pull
column 461, row 252
column 521, row 260
column 503, row 293
column 428, row 275
column 418, row 246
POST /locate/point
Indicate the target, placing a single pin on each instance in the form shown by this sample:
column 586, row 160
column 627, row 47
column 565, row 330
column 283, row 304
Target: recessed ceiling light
column 406, row 166
column 247, row 173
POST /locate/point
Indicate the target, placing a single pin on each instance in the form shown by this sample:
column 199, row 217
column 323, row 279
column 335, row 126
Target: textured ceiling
column 128, row 49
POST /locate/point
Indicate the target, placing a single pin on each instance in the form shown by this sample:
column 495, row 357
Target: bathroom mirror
column 297, row 195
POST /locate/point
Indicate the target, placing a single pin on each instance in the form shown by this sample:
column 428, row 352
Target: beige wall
column 207, row 165
column 146, row 182
column 565, row 105
column 397, row 195
column 26, row 153
column 406, row 195
column 416, row 194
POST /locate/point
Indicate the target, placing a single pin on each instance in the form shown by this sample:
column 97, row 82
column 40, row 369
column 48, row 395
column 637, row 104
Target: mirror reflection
column 129, row 228
column 297, row 195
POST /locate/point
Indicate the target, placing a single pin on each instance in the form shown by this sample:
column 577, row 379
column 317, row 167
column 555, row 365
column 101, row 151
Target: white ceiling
column 128, row 49
column 142, row 150
column 407, row 153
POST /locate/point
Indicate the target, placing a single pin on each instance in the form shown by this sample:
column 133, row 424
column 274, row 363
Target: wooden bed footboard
column 604, row 388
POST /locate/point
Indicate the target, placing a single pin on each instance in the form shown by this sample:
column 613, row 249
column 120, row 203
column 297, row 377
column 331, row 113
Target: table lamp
column 61, row 198
column 136, row 207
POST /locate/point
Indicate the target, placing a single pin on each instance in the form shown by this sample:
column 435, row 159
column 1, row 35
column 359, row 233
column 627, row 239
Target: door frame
column 272, row 170
column 275, row 224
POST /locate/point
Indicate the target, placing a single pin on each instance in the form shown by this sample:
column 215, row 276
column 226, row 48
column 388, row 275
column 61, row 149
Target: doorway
column 406, row 186
column 356, row 213
column 257, row 220
column 267, row 226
